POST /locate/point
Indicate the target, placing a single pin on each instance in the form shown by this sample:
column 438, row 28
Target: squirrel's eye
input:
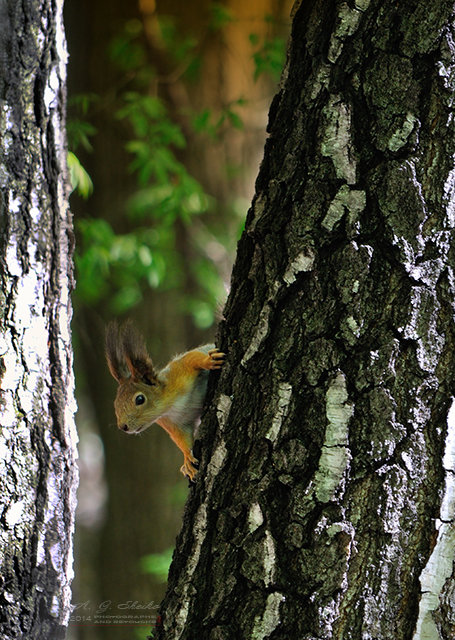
column 139, row 399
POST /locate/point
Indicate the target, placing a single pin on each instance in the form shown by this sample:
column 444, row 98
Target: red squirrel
column 172, row 397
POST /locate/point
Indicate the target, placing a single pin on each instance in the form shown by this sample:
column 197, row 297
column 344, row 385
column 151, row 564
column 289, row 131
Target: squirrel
column 172, row 397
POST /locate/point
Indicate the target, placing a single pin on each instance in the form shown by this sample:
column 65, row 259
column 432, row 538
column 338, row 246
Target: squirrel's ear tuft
column 136, row 356
column 114, row 351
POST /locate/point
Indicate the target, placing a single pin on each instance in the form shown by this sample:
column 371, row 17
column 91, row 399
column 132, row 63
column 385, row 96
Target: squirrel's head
column 137, row 404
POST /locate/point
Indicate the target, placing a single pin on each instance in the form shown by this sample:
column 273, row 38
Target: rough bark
column 324, row 506
column 37, row 435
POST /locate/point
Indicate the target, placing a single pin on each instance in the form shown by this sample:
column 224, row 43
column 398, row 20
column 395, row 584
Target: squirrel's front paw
column 215, row 359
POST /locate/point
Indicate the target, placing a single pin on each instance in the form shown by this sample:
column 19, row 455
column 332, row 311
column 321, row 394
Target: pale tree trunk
column 37, row 436
column 324, row 504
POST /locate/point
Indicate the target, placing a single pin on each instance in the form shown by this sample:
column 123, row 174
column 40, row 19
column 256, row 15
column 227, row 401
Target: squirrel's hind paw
column 189, row 467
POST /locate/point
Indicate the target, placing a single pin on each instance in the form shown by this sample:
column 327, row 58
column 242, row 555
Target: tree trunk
column 324, row 503
column 37, row 435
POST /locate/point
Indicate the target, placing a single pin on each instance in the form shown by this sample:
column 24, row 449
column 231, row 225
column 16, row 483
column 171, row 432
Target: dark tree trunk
column 324, row 504
column 37, row 437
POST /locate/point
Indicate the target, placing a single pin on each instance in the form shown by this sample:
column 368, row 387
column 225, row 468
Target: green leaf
column 235, row 119
column 201, row 120
column 79, row 178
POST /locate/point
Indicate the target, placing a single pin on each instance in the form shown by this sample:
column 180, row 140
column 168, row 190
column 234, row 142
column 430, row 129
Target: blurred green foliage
column 220, row 16
column 128, row 260
column 116, row 267
column 79, row 132
column 209, row 123
column 144, row 633
column 270, row 52
column 157, row 564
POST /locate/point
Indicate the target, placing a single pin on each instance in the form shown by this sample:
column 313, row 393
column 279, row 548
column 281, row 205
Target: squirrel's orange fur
column 172, row 397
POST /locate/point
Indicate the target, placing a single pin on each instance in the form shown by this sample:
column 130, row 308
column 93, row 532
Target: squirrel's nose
column 124, row 427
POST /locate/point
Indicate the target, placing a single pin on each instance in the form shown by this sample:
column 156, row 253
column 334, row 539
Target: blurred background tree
column 168, row 106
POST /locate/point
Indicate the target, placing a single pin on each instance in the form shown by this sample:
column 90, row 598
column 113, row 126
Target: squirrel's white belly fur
column 187, row 407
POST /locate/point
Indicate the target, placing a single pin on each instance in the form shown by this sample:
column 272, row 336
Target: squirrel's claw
column 216, row 359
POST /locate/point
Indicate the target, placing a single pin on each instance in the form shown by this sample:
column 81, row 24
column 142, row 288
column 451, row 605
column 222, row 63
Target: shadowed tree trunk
column 324, row 504
column 37, row 437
